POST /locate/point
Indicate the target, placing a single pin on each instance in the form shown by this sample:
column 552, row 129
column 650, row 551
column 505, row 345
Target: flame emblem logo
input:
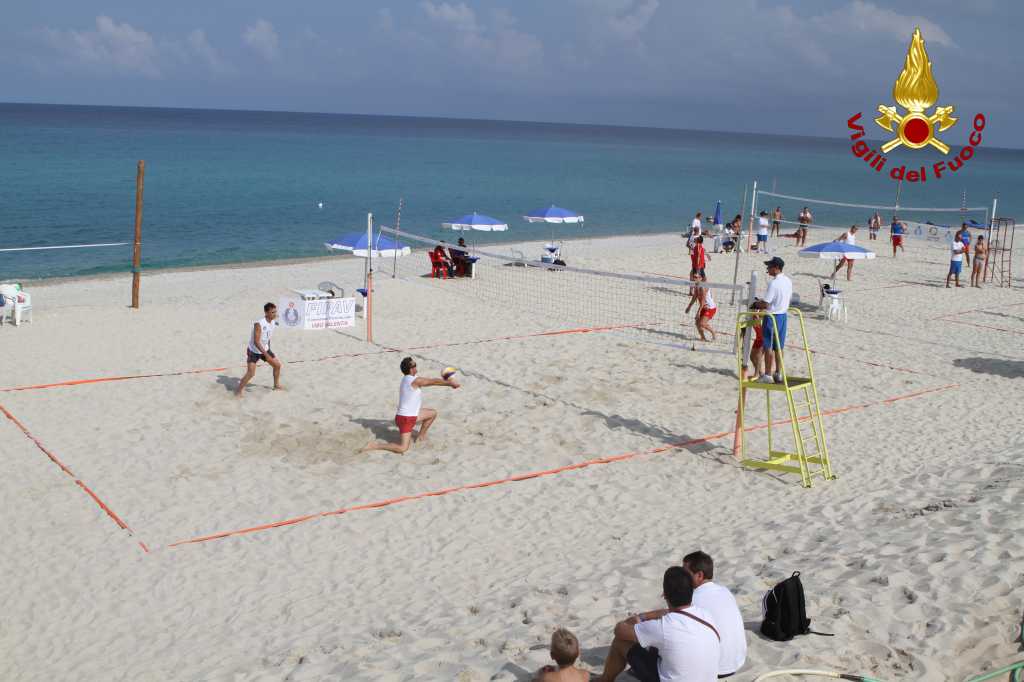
column 915, row 90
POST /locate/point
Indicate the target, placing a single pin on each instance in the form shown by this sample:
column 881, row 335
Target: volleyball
column 448, row 372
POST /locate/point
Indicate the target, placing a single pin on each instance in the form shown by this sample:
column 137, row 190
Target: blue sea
column 230, row 186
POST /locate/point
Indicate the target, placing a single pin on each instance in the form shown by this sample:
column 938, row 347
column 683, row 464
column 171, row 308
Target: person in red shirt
column 699, row 259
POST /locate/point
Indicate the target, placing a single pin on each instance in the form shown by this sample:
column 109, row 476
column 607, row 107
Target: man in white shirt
column 776, row 304
column 719, row 602
column 956, row 261
column 259, row 349
column 410, row 409
column 762, row 232
column 677, row 644
column 696, row 229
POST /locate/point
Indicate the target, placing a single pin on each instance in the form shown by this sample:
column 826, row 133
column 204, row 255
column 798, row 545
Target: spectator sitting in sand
column 725, row 613
column 677, row 643
column 565, row 649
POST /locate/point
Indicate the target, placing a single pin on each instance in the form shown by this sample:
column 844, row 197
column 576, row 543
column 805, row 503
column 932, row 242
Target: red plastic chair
column 437, row 265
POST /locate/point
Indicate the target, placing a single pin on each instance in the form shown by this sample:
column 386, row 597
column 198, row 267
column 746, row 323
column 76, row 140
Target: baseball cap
column 776, row 262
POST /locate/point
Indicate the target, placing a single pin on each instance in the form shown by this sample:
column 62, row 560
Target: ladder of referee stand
column 810, row 455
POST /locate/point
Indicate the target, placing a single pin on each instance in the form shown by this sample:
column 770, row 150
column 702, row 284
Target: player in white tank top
column 258, row 349
column 410, row 409
column 849, row 237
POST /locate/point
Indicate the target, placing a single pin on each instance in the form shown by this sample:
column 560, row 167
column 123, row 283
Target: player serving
column 410, row 407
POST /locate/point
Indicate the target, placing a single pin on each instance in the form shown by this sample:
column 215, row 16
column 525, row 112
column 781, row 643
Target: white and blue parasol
column 836, row 250
column 356, row 244
column 476, row 221
column 553, row 214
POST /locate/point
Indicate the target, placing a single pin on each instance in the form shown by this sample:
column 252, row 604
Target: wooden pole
column 137, row 247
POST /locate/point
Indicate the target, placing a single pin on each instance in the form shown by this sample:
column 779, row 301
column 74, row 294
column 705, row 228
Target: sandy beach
column 913, row 557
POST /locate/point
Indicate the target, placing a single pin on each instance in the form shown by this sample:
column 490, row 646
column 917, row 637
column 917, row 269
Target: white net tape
column 877, row 207
column 648, row 309
column 838, row 216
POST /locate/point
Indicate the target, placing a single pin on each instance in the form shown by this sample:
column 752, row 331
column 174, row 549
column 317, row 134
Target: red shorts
column 708, row 312
column 405, row 424
column 897, row 240
column 758, row 337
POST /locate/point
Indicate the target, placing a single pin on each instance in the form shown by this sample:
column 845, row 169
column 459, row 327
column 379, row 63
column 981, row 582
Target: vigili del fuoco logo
column 915, row 91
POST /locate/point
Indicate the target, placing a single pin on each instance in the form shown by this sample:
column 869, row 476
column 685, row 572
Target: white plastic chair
column 832, row 304
column 18, row 304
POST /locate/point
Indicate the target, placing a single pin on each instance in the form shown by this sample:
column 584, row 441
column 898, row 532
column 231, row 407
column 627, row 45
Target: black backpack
column 785, row 613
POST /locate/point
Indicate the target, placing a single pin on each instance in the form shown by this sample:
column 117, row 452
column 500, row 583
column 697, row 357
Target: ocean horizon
column 230, row 186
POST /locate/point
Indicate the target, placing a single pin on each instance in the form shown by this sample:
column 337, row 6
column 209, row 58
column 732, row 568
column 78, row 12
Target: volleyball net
column 646, row 309
column 837, row 216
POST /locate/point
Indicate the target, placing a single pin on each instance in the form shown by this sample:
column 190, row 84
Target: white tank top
column 851, row 239
column 709, row 301
column 409, row 398
column 266, row 331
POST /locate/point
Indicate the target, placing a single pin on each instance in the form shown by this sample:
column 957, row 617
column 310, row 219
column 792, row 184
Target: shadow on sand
column 1011, row 369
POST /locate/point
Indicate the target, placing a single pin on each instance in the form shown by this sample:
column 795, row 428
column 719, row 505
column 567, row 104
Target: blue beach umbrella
column 836, row 250
column 718, row 214
column 553, row 214
column 355, row 243
column 476, row 221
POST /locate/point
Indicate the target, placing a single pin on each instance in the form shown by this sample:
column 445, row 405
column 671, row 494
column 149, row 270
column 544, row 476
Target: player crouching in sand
column 410, row 408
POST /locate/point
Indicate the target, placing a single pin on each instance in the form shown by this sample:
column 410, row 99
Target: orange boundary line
column 984, row 326
column 538, row 474
column 975, row 310
column 63, row 467
column 128, row 377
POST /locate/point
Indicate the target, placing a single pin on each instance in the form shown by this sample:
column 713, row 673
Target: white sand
column 914, row 557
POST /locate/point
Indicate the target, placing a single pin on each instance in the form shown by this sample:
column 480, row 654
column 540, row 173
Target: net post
column 398, row 230
column 140, row 175
column 369, row 278
column 744, row 350
column 736, row 248
column 753, row 210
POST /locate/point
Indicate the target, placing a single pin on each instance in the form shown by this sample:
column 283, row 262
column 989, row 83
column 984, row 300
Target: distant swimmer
column 410, row 409
column 259, row 348
column 319, row 204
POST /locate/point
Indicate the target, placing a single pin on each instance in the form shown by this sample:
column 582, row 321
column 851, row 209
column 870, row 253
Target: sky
column 799, row 67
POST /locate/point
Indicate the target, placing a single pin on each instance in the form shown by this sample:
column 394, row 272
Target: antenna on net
column 398, row 233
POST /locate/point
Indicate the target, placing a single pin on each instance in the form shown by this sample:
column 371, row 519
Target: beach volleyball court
column 536, row 399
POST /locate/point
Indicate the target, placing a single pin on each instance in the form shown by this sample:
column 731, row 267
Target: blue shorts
column 762, row 237
column 955, row 267
column 769, row 331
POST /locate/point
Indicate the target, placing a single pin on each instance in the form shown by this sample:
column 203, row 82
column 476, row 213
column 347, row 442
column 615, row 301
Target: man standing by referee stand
column 776, row 304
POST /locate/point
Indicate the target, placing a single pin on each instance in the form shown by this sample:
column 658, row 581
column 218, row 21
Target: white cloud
column 500, row 45
column 630, row 23
column 110, row 48
column 866, row 17
column 459, row 17
column 199, row 46
column 262, row 38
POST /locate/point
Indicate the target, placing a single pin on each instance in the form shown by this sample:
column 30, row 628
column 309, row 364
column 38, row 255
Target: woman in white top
column 850, row 237
column 410, row 409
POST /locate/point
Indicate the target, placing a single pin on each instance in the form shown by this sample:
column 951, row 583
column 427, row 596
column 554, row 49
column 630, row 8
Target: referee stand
column 809, row 456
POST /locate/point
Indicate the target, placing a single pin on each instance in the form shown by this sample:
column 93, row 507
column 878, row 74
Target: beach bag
column 785, row 612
